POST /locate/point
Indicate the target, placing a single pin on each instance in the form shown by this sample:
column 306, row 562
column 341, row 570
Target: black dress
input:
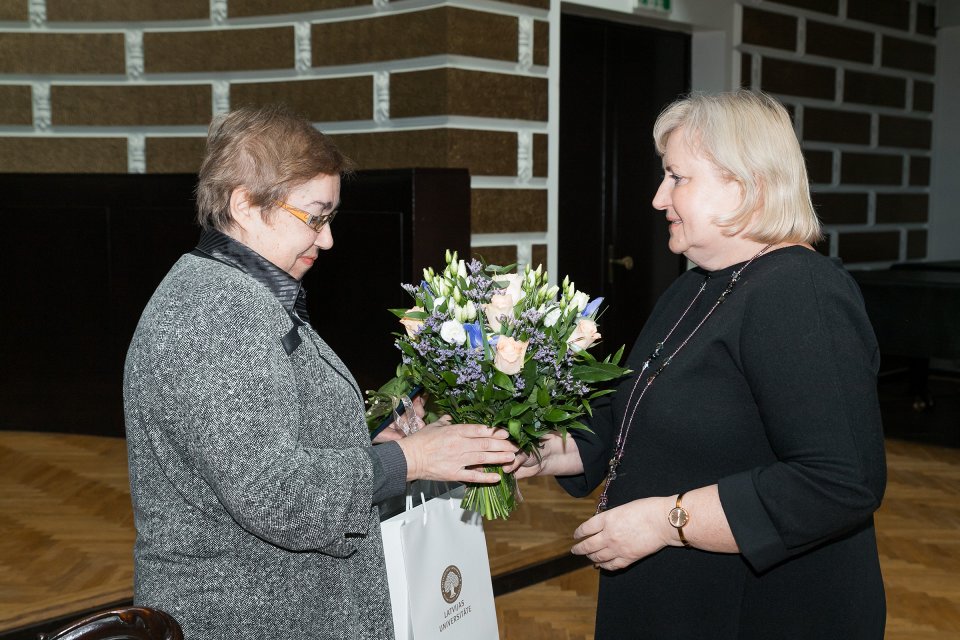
column 774, row 399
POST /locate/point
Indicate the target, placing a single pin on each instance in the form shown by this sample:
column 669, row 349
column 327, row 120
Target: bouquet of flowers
column 505, row 349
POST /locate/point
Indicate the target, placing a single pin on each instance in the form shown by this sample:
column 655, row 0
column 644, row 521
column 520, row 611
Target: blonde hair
column 269, row 150
column 749, row 137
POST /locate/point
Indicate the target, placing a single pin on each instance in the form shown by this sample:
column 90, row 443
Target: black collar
column 288, row 290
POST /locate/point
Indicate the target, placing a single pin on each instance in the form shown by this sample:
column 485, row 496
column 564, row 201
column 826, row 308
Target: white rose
column 584, row 335
column 453, row 332
column 514, row 286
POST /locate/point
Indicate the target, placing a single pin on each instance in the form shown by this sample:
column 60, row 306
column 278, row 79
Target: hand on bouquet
column 617, row 538
column 559, row 456
column 396, row 431
column 524, row 466
column 450, row 452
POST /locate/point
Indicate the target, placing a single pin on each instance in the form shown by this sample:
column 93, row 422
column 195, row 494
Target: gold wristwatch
column 678, row 517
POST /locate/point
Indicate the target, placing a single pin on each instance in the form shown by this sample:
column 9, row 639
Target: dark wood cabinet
column 82, row 254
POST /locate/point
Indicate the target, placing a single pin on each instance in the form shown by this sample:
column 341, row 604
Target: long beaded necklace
column 626, row 423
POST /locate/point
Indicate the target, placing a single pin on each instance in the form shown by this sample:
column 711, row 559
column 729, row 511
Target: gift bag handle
column 446, row 489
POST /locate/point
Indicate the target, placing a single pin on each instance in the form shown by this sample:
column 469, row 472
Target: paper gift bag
column 445, row 589
column 393, row 557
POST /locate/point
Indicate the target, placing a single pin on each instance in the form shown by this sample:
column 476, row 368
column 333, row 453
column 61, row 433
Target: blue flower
column 591, row 307
column 473, row 334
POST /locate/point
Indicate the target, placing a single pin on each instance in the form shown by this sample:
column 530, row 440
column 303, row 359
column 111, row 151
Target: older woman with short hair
column 744, row 458
column 254, row 482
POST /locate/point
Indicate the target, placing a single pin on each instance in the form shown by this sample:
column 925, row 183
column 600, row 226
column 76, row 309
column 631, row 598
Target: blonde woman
column 742, row 463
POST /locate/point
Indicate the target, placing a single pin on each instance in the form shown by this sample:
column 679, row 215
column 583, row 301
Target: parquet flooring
column 562, row 608
column 66, row 537
column 66, row 525
column 918, row 533
column 540, row 529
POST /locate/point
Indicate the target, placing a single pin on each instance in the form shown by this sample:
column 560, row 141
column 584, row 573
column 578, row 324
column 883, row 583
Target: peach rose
column 501, row 304
column 584, row 335
column 412, row 325
column 510, row 354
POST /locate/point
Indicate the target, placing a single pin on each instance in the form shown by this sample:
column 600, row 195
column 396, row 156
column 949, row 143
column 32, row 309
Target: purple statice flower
column 526, row 324
column 519, row 384
column 412, row 290
column 566, row 382
column 482, row 287
column 543, row 350
column 469, row 372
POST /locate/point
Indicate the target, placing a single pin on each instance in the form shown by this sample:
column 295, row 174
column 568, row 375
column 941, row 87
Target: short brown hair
column 749, row 137
column 269, row 150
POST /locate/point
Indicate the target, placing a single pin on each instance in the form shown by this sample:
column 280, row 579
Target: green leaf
column 517, row 409
column 530, row 373
column 497, row 270
column 602, row 392
column 502, row 394
column 579, row 426
column 513, row 426
column 597, row 372
column 407, row 348
column 502, row 416
column 543, row 397
column 503, row 381
column 586, row 356
column 449, row 377
column 615, row 358
column 556, row 415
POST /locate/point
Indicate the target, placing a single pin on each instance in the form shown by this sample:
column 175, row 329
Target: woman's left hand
column 620, row 536
column 394, row 432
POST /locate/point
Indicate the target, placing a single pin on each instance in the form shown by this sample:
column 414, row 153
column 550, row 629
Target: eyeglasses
column 315, row 222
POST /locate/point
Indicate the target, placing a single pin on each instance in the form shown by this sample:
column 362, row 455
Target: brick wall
column 130, row 85
column 858, row 77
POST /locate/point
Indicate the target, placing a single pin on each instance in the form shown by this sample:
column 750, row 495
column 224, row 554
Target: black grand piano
column 915, row 311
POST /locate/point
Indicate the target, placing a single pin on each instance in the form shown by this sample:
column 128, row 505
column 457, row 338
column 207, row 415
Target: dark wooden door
column 614, row 81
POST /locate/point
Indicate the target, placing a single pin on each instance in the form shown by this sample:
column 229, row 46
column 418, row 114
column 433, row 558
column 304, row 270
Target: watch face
column 678, row 517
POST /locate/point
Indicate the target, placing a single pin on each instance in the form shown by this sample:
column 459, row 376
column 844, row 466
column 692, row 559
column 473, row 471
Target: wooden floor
column 66, row 537
column 66, row 526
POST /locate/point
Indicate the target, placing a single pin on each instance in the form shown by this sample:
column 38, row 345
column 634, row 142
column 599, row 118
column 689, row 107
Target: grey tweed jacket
column 249, row 470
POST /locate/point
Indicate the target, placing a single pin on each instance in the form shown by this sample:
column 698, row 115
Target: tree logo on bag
column 450, row 584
